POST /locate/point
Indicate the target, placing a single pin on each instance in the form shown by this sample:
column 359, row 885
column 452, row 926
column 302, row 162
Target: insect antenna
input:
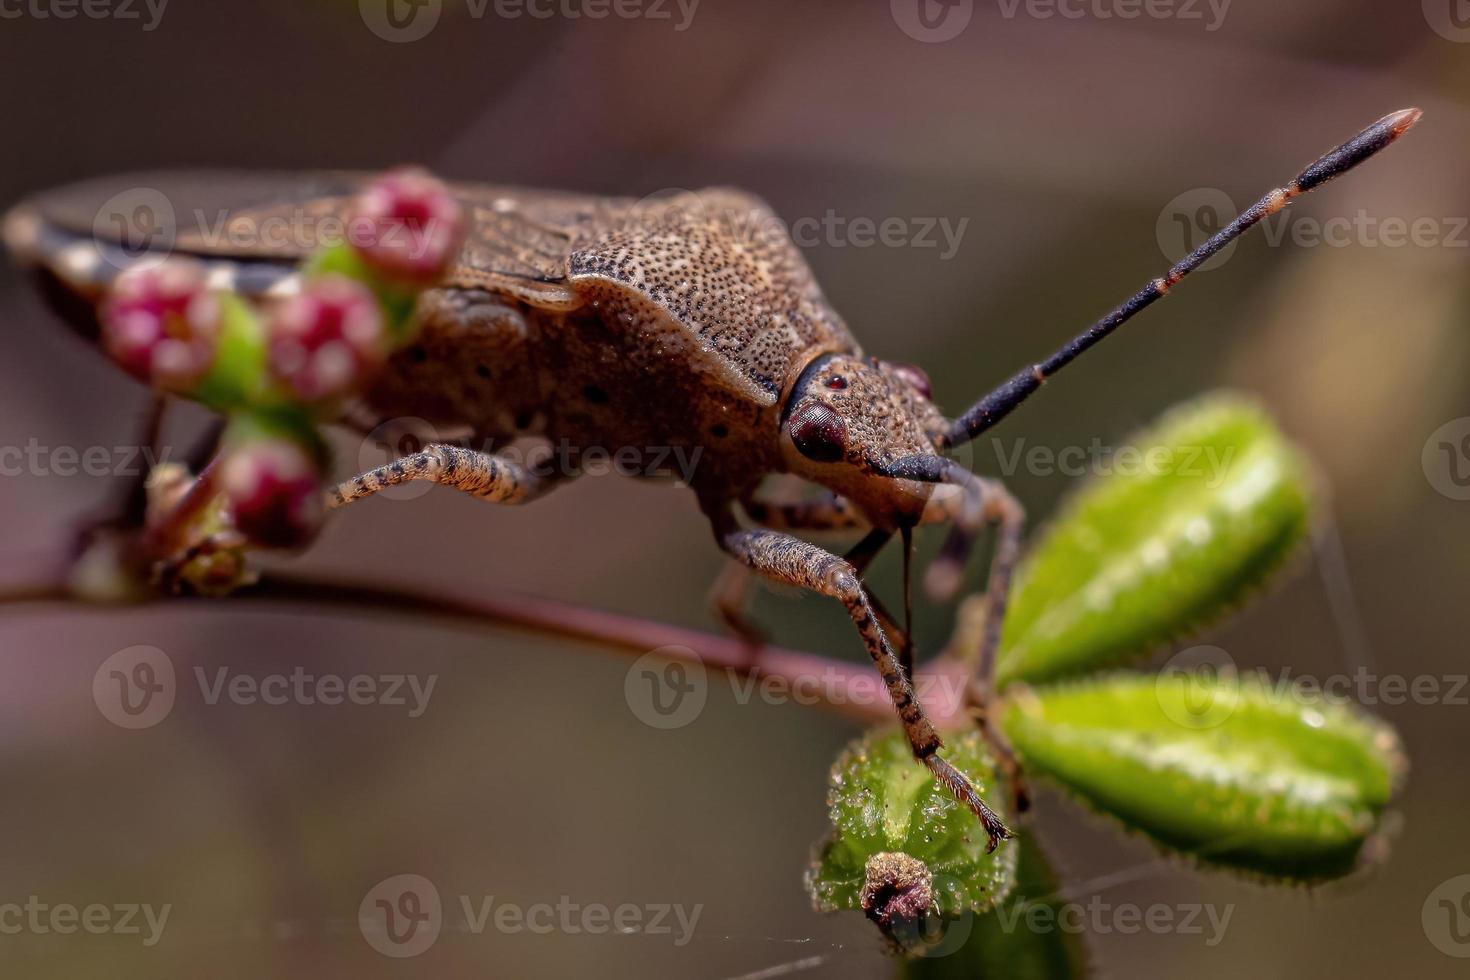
column 1000, row 402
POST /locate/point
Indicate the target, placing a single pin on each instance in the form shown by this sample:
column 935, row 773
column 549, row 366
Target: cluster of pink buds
column 274, row 492
column 279, row 370
column 407, row 226
column 327, row 340
column 161, row 324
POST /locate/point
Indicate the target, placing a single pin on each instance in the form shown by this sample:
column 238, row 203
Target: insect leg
column 860, row 556
column 787, row 559
column 483, row 475
column 828, row 512
column 728, row 597
column 1005, row 513
column 831, row 512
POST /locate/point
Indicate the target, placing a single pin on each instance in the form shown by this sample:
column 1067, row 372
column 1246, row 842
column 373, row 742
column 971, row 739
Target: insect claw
column 956, row 782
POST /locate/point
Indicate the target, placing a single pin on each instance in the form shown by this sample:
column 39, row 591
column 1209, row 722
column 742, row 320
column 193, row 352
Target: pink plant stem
column 852, row 690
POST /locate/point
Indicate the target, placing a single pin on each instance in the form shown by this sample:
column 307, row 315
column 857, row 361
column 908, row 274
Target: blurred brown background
column 1059, row 139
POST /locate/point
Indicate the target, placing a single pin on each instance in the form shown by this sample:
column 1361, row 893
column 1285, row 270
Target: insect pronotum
column 598, row 322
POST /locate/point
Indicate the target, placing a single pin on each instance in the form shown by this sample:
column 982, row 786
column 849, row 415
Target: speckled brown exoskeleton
column 688, row 322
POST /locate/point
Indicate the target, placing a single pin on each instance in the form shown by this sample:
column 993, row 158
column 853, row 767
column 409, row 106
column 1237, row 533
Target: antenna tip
column 1402, row 121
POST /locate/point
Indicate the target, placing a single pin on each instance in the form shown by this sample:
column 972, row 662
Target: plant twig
column 848, row 689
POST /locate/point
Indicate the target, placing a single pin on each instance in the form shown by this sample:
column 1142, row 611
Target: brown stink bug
column 683, row 324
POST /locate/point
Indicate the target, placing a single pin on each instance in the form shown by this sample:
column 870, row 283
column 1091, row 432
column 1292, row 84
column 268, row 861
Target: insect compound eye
column 915, row 376
column 819, row 434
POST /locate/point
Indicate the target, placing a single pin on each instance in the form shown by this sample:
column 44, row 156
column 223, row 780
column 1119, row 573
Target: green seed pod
column 1212, row 502
column 1226, row 768
column 901, row 849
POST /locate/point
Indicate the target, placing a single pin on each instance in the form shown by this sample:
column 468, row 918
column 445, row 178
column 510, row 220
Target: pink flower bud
column 161, row 324
column 408, row 226
column 275, row 493
column 327, row 340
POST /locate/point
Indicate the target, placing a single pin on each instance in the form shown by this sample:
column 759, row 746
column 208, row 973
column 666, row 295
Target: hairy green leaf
column 1231, row 769
column 1189, row 518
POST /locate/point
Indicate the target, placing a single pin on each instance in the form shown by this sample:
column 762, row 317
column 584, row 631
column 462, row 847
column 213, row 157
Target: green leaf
column 1230, row 769
column 898, row 837
column 1213, row 501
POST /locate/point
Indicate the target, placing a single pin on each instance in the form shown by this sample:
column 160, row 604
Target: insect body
column 679, row 324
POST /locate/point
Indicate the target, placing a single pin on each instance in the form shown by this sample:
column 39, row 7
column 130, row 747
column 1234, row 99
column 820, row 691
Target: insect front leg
column 483, row 475
column 788, row 559
column 984, row 503
column 731, row 590
column 828, row 512
column 996, row 507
